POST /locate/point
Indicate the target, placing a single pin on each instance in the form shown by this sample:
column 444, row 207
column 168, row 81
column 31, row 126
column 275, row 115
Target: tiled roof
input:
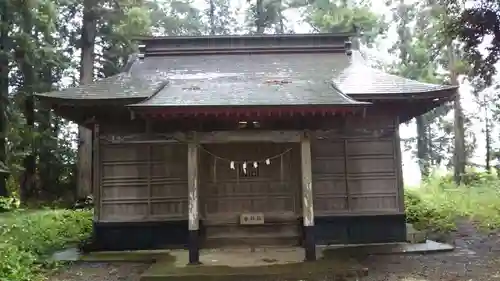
column 320, row 74
column 359, row 78
column 235, row 80
column 124, row 85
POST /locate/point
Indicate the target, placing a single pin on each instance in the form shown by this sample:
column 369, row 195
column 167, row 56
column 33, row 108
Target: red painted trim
column 255, row 112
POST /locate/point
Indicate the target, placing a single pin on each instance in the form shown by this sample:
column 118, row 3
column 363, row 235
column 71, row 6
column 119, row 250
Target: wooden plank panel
column 330, row 205
column 382, row 202
column 174, row 209
column 372, row 185
column 329, row 186
column 271, row 190
column 130, row 211
column 372, row 123
column 143, row 181
column 124, row 152
column 370, row 147
column 375, row 165
column 328, row 168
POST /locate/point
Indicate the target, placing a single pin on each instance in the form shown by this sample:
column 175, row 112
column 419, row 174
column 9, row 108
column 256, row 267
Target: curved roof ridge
column 359, row 78
column 343, row 95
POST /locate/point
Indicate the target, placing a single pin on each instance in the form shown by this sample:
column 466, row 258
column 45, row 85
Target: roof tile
column 259, row 79
column 359, row 78
column 124, row 85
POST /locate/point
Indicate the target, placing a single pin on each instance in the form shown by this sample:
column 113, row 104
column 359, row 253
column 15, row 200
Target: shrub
column 424, row 216
column 30, row 237
column 438, row 202
column 8, row 204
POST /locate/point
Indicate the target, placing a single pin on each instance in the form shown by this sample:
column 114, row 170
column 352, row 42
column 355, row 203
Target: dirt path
column 477, row 257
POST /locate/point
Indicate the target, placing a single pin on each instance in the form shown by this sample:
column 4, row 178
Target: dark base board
column 140, row 235
column 175, row 234
column 309, row 243
column 360, row 229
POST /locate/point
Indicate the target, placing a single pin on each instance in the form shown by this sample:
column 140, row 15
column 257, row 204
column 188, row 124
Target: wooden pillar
column 399, row 167
column 96, row 173
column 307, row 198
column 194, row 223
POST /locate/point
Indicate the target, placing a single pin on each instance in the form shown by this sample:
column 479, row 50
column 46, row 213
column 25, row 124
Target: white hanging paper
column 231, row 165
column 268, row 162
column 255, row 165
column 245, row 167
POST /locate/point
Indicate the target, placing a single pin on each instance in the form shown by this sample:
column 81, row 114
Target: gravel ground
column 87, row 271
column 477, row 257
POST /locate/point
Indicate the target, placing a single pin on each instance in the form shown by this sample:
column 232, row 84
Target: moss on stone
column 337, row 269
column 129, row 256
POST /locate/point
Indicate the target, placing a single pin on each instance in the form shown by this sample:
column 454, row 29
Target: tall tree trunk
column 89, row 30
column 405, row 39
column 280, row 26
column 488, row 135
column 28, row 180
column 48, row 178
column 458, row 127
column 4, row 90
column 260, row 23
column 212, row 17
column 422, row 146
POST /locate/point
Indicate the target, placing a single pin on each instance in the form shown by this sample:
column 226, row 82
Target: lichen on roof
column 359, row 78
column 256, row 80
column 124, row 85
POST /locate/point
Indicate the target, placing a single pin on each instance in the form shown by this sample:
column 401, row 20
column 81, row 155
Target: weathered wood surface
column 307, row 186
column 193, row 185
column 207, row 137
column 250, row 136
column 96, row 179
column 356, row 172
column 141, row 182
column 273, row 190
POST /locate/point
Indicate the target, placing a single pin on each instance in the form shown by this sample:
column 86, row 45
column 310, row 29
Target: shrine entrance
column 250, row 194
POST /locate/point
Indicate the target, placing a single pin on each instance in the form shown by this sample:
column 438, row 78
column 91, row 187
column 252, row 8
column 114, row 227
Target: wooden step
column 253, row 229
column 235, row 235
column 235, row 242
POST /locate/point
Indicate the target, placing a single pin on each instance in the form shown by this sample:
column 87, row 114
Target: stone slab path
column 476, row 257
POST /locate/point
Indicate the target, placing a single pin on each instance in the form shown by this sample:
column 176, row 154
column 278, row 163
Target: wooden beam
column 307, row 198
column 194, row 216
column 250, row 136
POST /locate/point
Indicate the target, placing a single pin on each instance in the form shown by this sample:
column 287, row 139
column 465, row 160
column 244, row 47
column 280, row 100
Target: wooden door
column 228, row 191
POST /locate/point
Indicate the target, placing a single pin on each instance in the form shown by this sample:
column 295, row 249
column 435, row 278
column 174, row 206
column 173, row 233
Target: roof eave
column 59, row 101
column 246, row 110
column 450, row 92
column 246, row 36
column 355, row 104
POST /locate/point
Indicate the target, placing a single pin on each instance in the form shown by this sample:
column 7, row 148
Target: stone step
column 251, row 241
column 415, row 236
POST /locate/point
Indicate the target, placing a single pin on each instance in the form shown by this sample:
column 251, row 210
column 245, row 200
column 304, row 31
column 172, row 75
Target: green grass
column 439, row 202
column 28, row 238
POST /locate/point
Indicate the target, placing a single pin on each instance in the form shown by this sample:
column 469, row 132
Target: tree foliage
column 40, row 46
column 476, row 25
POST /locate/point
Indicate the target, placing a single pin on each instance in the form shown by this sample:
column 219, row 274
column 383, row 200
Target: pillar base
column 194, row 247
column 309, row 243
